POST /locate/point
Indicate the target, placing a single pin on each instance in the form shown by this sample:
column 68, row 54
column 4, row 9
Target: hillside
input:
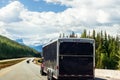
column 12, row 49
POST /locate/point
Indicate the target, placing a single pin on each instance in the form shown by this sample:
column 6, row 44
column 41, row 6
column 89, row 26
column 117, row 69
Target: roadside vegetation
column 37, row 61
column 9, row 63
column 10, row 49
column 107, row 54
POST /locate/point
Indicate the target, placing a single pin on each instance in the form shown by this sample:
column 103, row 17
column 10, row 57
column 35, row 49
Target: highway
column 27, row 71
column 22, row 71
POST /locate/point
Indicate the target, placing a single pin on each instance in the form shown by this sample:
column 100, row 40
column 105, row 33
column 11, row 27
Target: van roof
column 71, row 40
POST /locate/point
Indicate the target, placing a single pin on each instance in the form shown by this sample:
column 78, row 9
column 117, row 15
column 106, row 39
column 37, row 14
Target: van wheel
column 50, row 76
column 42, row 72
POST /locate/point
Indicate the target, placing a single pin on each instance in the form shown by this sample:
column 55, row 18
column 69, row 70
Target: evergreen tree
column 93, row 36
column 107, row 50
column 73, row 35
column 12, row 49
column 84, row 34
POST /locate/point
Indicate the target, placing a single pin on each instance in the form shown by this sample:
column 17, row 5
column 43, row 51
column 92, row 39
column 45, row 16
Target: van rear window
column 76, row 48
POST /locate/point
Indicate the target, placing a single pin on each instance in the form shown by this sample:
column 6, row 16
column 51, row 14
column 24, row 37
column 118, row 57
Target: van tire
column 42, row 72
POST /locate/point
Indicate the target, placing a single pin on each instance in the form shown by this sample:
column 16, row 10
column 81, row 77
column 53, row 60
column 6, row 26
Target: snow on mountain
column 37, row 47
column 20, row 41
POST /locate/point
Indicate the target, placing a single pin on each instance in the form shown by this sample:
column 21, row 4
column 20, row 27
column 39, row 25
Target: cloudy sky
column 36, row 21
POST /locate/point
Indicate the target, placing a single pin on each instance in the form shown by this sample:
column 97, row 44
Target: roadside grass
column 9, row 63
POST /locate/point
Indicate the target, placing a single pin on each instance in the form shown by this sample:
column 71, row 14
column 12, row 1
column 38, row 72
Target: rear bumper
column 73, row 77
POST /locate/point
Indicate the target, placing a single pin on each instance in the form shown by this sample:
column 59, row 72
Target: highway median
column 4, row 64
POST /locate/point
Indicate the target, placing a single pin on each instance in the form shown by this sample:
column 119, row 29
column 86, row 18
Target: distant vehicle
column 69, row 58
column 28, row 61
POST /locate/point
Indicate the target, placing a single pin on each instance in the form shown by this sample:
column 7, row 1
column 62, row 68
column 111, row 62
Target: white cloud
column 11, row 12
column 3, row 30
column 34, row 27
column 112, row 30
column 103, row 17
column 78, row 3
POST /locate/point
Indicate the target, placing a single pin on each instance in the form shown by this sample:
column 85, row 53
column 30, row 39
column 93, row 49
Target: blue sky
column 41, row 6
column 37, row 5
column 38, row 21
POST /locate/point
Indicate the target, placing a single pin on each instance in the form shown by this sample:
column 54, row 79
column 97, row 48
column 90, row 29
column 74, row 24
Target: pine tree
column 93, row 36
column 73, row 35
column 84, row 34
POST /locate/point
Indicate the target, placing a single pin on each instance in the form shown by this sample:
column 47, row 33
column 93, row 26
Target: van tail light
column 42, row 64
column 57, row 67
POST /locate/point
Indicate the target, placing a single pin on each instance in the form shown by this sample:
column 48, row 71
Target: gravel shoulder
column 108, row 74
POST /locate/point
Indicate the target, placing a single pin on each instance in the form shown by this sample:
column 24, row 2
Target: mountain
column 37, row 47
column 20, row 41
column 12, row 49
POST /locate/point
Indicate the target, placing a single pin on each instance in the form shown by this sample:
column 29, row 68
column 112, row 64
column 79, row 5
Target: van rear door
column 76, row 59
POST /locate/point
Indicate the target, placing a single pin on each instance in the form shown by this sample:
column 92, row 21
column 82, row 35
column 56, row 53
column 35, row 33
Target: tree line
column 107, row 48
column 11, row 49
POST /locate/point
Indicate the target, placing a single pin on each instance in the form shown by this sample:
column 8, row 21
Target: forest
column 107, row 48
column 11, row 49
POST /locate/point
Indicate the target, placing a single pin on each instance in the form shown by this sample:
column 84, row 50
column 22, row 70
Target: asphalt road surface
column 22, row 71
column 27, row 71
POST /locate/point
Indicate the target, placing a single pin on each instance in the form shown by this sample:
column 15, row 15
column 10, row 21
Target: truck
column 69, row 58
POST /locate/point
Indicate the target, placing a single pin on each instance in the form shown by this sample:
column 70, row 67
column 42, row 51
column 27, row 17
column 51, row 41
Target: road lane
column 29, row 71
column 22, row 71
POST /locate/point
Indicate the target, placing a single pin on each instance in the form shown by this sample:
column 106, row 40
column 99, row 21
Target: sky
column 38, row 21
